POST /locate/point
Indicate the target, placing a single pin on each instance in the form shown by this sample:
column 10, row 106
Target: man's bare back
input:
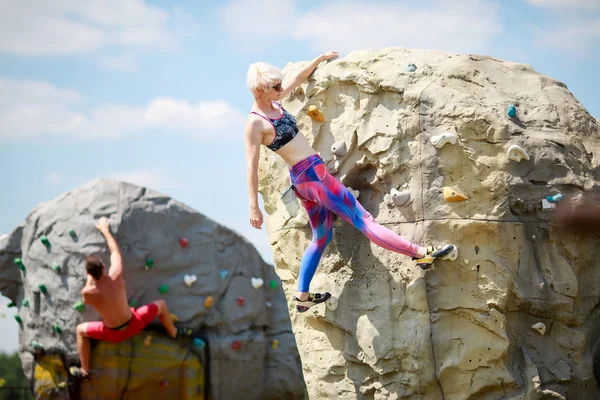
column 109, row 298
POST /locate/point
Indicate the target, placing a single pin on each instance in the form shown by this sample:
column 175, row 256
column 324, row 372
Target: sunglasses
column 277, row 87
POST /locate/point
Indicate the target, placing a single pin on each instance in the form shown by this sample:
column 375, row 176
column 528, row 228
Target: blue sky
column 153, row 92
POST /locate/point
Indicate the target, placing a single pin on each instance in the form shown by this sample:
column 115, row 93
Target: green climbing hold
column 37, row 345
column 57, row 328
column 19, row 263
column 149, row 262
column 11, row 304
column 79, row 306
column 25, row 303
column 45, row 240
column 133, row 303
column 163, row 289
column 56, row 267
column 18, row 318
column 43, row 288
column 72, row 233
column 273, row 283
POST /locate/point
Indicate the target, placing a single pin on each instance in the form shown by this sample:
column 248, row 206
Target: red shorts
column 139, row 319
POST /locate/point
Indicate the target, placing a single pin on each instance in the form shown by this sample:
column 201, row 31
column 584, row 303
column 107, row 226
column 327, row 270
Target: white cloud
column 574, row 37
column 53, row 178
column 465, row 25
column 151, row 178
column 29, row 108
column 84, row 27
column 565, row 3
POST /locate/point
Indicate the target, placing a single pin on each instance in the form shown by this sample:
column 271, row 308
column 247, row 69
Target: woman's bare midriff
column 296, row 150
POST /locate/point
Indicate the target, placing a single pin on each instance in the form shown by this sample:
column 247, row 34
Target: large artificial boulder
column 399, row 126
column 249, row 351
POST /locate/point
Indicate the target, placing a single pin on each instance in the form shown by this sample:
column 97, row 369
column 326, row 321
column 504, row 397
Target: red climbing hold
column 183, row 242
column 164, row 384
column 236, row 344
column 240, row 301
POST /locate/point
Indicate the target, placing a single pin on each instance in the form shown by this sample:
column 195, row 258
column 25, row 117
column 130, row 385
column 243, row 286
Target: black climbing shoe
column 432, row 253
column 184, row 332
column 313, row 299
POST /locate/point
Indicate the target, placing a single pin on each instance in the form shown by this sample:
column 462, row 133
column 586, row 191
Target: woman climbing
column 321, row 193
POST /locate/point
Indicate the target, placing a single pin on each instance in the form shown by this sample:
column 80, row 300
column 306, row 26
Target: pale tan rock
column 462, row 330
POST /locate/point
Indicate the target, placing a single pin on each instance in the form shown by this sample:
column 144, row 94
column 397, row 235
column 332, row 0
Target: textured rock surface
column 463, row 330
column 150, row 225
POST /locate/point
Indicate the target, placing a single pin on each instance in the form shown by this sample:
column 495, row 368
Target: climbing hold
column 256, row 282
column 79, row 306
column 133, row 303
column 355, row 193
column 25, row 303
column 149, row 263
column 315, row 113
column 18, row 318
column 452, row 256
column 56, row 267
column 273, row 283
column 57, row 328
column 511, row 111
column 62, row 385
column 199, row 343
column 45, row 240
column 37, row 345
column 452, row 195
column 540, row 327
column 236, row 344
column 164, row 384
column 43, row 288
column 275, row 344
column 224, row 274
column 11, row 304
column 554, row 199
column 189, row 280
column 400, row 198
column 164, row 288
column 240, row 301
column 268, row 304
column 19, row 263
column 332, row 303
column 2, row 382
column 208, row 302
column 72, row 233
column 339, row 149
column 516, row 153
column 410, row 67
column 183, row 242
column 148, row 340
column 174, row 317
column 443, row 138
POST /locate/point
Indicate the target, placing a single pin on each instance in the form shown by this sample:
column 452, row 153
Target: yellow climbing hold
column 208, row 302
column 452, row 195
column 315, row 114
column 2, row 382
column 275, row 344
column 174, row 318
column 62, row 385
column 148, row 340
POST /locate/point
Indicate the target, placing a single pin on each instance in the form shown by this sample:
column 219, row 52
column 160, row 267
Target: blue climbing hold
column 224, row 274
column 512, row 111
column 199, row 343
column 410, row 68
column 554, row 199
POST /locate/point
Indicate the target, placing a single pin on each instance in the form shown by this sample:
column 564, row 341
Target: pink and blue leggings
column 322, row 195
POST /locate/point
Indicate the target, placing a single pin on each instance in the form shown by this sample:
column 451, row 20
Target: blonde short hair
column 262, row 75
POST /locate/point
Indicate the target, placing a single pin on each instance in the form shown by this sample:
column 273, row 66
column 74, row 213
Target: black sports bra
column 284, row 126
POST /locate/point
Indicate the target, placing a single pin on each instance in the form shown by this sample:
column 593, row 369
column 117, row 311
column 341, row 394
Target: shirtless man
column 106, row 293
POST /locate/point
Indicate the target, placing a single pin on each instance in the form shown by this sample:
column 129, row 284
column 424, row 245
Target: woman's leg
column 320, row 221
column 331, row 194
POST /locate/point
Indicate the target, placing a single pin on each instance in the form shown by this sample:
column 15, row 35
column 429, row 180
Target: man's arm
column 305, row 72
column 116, row 260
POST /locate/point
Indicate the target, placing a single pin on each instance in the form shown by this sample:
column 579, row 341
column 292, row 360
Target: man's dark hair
column 94, row 266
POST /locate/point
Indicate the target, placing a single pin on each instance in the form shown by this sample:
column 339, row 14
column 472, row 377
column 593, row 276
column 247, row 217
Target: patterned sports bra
column 285, row 128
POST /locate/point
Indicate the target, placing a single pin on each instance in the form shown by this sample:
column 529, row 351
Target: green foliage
column 16, row 386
